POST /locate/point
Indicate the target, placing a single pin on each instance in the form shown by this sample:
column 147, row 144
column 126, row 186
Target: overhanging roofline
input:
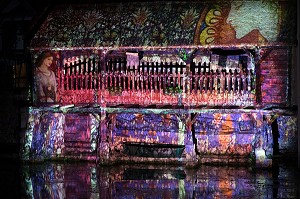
column 145, row 48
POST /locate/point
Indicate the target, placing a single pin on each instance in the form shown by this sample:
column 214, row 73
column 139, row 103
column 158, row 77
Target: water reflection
column 84, row 180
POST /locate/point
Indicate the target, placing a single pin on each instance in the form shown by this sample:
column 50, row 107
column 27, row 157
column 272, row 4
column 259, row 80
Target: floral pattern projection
column 167, row 24
column 115, row 25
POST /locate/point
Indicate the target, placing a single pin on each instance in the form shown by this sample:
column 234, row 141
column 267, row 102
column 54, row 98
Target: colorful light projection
column 85, row 83
column 181, row 23
column 112, row 81
column 253, row 22
column 56, row 135
column 102, row 133
column 44, row 136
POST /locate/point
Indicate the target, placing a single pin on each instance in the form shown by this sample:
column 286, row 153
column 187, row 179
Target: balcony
column 156, row 84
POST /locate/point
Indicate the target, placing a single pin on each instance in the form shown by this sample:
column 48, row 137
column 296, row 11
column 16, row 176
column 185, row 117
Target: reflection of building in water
column 56, row 180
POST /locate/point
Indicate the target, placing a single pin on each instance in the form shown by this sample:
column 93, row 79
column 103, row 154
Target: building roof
column 165, row 23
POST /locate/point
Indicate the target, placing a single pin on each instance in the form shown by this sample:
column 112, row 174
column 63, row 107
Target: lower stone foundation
column 167, row 136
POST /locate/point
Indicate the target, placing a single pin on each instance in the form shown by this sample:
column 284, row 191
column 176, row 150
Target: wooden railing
column 155, row 78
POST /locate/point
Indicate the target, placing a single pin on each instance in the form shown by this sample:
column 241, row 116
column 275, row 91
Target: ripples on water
column 85, row 180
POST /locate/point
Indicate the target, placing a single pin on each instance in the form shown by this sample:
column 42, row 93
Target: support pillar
column 103, row 141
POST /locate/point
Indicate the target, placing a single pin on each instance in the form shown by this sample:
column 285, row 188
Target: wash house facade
column 167, row 82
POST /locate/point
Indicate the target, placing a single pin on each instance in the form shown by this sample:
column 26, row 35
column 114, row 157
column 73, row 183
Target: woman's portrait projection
column 45, row 80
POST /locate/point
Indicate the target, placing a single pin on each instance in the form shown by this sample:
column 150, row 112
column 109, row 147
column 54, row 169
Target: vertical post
column 211, row 83
column 258, row 79
column 188, row 68
column 164, row 79
column 103, row 143
column 72, row 82
column 141, row 77
column 201, row 81
column 146, row 75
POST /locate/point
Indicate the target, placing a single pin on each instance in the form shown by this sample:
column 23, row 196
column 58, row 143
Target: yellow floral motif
column 212, row 20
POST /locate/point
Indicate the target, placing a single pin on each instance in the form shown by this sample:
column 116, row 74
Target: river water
column 85, row 180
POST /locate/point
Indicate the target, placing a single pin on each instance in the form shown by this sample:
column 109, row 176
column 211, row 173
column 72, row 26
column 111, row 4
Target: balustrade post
column 190, row 83
column 72, row 82
column 61, row 80
column 179, row 79
column 110, row 79
column 168, row 78
column 138, row 79
column 91, row 79
column 244, row 85
column 188, row 68
column 114, row 74
column 164, row 80
column 210, row 82
column 133, row 80
column 214, row 76
column 173, row 78
column 101, row 79
column 105, row 80
column 141, row 80
column 151, row 80
column 248, row 81
column 205, row 82
column 81, row 83
column 234, row 82
column 228, row 79
column 239, row 82
column 119, row 80
column 159, row 81
column 201, row 82
column 253, row 80
column 195, row 78
column 222, row 82
column 145, row 76
column 86, row 81
column 67, row 81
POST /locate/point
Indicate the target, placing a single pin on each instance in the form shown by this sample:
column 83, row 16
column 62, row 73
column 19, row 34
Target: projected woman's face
column 247, row 16
column 48, row 61
column 240, row 22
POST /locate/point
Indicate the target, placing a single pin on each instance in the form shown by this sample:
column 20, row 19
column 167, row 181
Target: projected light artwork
column 209, row 86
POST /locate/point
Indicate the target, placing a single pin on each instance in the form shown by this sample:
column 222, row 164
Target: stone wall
column 187, row 137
